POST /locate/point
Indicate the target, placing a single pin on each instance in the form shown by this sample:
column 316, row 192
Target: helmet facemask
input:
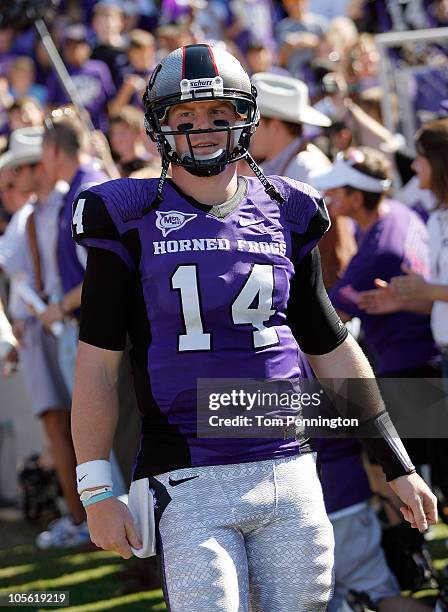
column 238, row 134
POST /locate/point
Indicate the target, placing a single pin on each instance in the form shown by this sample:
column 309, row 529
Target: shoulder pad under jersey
column 304, row 209
column 103, row 211
column 127, row 198
column 91, row 218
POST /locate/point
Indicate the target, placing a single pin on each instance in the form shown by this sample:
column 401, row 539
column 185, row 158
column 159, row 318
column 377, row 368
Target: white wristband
column 91, row 474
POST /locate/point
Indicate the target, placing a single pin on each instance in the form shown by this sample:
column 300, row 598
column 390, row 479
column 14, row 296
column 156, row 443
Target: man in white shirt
column 30, row 255
column 279, row 141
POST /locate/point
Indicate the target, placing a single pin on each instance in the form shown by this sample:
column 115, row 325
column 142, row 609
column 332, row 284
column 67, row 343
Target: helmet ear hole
column 242, row 108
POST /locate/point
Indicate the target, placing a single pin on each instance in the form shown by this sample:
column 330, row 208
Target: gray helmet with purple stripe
column 200, row 73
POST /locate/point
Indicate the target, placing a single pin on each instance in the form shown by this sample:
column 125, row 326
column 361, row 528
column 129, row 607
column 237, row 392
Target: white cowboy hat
column 286, row 98
column 25, row 147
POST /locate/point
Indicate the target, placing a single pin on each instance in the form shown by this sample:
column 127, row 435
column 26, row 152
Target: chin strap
column 159, row 196
column 268, row 186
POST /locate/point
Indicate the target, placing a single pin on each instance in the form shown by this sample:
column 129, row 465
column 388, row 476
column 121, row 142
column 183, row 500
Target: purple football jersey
column 214, row 291
column 401, row 340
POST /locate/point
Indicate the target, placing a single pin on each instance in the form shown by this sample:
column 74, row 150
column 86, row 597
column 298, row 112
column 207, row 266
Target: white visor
column 342, row 174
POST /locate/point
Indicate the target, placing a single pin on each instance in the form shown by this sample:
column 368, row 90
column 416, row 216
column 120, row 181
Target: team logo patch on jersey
column 172, row 220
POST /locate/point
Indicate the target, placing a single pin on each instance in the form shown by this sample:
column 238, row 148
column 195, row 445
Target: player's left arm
column 335, row 355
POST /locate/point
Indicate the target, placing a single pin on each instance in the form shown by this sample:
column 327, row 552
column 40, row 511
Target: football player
column 214, row 275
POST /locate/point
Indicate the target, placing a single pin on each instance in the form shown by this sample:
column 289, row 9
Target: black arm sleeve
column 106, row 300
column 313, row 320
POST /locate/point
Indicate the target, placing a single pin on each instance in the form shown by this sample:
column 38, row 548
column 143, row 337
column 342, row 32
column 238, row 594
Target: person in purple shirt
column 91, row 78
column 389, row 235
column 215, row 276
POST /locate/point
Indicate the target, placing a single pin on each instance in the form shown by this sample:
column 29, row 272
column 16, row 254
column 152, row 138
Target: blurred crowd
column 316, row 67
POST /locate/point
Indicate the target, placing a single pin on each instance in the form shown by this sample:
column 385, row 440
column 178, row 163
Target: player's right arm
column 105, row 312
column 94, row 420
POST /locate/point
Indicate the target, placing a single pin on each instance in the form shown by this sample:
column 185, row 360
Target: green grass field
column 96, row 579
column 99, row 580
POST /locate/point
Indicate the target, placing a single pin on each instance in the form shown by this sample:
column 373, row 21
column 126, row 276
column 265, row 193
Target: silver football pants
column 248, row 536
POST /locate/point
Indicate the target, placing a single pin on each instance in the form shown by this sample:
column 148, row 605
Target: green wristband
column 97, row 498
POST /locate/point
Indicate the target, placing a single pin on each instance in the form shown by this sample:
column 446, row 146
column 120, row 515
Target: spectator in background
column 140, row 14
column 6, row 101
column 142, row 61
column 359, row 561
column 12, row 246
column 19, row 206
column 389, row 236
column 172, row 36
column 22, row 76
column 110, row 45
column 340, row 36
column 411, row 292
column 50, row 397
column 414, row 291
column 363, row 128
column 25, row 112
column 279, row 142
column 362, row 64
column 7, row 56
column 248, row 19
column 438, row 13
column 210, row 20
column 66, row 157
column 339, row 136
column 260, row 58
column 192, row 15
column 42, row 62
column 91, row 78
column 127, row 140
column 298, row 36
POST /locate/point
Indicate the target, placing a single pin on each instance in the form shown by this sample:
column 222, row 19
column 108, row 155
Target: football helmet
column 200, row 73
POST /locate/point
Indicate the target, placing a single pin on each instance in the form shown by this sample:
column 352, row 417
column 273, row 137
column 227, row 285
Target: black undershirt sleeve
column 313, row 321
column 106, row 300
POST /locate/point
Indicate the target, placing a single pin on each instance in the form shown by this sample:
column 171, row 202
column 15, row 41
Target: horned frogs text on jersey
column 214, row 286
